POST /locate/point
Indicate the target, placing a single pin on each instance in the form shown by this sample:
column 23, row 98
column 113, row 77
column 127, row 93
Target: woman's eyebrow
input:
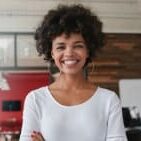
column 76, row 42
column 79, row 42
column 60, row 43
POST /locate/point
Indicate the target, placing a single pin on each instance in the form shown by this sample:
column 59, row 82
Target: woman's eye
column 79, row 46
column 60, row 48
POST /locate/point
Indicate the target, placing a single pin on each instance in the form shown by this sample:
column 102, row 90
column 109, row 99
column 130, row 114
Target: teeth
column 70, row 62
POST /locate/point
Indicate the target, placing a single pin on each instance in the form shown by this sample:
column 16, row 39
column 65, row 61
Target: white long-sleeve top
column 97, row 119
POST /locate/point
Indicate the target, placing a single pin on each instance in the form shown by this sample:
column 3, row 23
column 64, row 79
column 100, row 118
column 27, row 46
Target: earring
column 85, row 72
column 93, row 67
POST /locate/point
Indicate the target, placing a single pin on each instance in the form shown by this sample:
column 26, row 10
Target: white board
column 130, row 92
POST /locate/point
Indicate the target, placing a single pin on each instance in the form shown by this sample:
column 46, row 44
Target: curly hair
column 69, row 19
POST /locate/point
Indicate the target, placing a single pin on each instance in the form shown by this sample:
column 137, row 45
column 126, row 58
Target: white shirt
column 97, row 119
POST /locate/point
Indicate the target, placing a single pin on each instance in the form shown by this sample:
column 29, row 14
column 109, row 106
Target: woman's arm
column 30, row 118
column 37, row 136
column 116, row 130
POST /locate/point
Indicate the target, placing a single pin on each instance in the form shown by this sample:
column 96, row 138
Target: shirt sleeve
column 116, row 130
column 30, row 118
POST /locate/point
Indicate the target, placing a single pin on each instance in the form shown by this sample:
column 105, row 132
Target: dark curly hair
column 69, row 19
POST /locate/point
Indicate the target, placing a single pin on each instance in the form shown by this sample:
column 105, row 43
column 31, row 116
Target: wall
column 120, row 58
column 118, row 16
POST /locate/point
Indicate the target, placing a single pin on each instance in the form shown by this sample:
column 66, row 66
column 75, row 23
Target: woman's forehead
column 71, row 37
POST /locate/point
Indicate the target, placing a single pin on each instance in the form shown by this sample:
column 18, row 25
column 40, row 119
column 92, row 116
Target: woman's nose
column 69, row 51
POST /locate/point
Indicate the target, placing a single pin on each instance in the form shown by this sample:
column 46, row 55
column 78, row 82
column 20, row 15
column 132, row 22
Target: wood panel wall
column 119, row 58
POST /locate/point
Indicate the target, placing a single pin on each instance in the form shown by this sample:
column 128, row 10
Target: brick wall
column 119, row 58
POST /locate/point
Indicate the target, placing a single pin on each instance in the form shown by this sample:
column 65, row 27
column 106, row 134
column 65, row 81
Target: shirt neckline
column 76, row 105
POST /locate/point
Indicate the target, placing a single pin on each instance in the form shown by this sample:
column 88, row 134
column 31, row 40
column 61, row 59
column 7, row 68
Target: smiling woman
column 69, row 53
column 71, row 108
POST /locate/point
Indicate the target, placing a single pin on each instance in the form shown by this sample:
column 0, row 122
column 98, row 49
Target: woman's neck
column 70, row 81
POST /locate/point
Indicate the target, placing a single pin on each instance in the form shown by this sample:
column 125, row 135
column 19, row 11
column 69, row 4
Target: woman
column 71, row 108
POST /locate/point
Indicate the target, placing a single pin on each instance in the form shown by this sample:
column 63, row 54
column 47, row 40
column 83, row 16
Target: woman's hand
column 37, row 136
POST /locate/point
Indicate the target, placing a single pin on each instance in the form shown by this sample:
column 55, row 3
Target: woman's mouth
column 70, row 62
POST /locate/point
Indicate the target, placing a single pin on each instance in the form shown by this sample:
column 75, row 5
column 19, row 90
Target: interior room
column 117, row 65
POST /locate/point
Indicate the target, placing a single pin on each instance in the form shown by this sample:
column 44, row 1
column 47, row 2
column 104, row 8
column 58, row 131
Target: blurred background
column 117, row 65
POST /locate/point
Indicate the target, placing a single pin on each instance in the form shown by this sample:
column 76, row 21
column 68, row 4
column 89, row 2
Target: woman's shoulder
column 108, row 98
column 108, row 94
column 105, row 91
column 37, row 93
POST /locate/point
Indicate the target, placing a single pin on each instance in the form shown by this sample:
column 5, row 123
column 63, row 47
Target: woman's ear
column 52, row 55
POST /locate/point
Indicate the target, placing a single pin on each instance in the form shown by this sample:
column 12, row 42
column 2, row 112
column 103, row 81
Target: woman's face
column 69, row 53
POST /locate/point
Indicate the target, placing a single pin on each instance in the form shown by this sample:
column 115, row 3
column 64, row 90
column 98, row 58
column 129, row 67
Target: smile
column 70, row 62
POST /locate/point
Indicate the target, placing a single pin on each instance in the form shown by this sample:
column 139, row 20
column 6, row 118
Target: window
column 18, row 51
column 7, row 51
column 11, row 105
column 27, row 55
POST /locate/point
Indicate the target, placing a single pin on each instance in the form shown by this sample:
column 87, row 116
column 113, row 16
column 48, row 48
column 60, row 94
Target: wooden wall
column 119, row 58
